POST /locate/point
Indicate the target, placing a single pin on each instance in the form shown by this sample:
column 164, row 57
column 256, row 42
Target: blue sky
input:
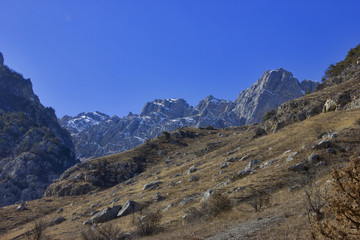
column 114, row 56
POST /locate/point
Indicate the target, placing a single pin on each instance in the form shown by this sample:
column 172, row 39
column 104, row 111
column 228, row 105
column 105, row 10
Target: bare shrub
column 315, row 200
column 216, row 204
column 148, row 223
column 106, row 231
column 258, row 199
column 37, row 232
column 342, row 214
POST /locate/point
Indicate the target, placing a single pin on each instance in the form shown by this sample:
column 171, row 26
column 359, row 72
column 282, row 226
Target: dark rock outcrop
column 34, row 148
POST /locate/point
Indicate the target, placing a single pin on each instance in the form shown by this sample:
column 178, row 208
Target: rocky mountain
column 34, row 148
column 96, row 134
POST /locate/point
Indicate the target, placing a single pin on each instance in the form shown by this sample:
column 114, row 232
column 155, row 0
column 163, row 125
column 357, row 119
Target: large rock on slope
column 34, row 148
column 96, row 134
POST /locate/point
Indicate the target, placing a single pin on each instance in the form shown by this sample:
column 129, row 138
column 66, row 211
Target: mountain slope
column 280, row 167
column 94, row 137
column 34, row 148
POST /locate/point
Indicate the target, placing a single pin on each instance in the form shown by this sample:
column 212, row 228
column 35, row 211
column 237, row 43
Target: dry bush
column 148, row 223
column 106, row 231
column 216, row 204
column 342, row 215
column 315, row 201
column 37, row 232
column 258, row 199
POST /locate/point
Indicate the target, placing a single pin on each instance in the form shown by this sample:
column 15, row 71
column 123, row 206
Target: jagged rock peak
column 172, row 107
column 1, row 59
column 273, row 88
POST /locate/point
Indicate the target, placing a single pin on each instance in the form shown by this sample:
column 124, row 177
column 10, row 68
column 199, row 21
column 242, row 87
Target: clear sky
column 114, row 56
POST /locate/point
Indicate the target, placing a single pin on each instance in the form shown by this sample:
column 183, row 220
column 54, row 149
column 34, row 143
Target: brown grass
column 275, row 179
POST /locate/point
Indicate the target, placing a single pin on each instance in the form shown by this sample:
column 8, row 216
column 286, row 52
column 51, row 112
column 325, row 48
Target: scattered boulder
column 299, row 167
column 158, row 197
column 152, row 185
column 194, row 178
column 252, row 163
column 207, row 194
column 330, row 105
column 229, row 153
column 105, row 215
column 191, row 170
column 232, row 159
column 57, row 221
column 168, row 207
column 87, row 222
column 22, row 207
column 244, row 158
column 291, row 157
column 189, row 199
column 129, row 208
column 267, row 163
column 237, row 189
column 324, row 144
column 244, row 172
column 225, row 165
column 314, row 158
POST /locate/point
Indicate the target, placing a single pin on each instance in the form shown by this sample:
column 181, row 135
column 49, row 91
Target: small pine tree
column 342, row 215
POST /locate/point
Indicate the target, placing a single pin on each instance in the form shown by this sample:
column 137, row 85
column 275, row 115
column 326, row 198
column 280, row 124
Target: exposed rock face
column 96, row 134
column 272, row 89
column 34, row 148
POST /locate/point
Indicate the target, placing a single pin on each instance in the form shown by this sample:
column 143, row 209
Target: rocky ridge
column 96, row 134
column 34, row 148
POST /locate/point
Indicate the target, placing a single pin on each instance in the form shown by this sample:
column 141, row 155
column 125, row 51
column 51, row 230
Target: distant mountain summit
column 96, row 134
column 272, row 89
column 34, row 148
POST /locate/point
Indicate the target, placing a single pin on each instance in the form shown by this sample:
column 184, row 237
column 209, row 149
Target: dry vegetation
column 269, row 203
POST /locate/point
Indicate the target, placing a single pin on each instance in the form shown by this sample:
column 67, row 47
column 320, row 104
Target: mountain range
column 96, row 134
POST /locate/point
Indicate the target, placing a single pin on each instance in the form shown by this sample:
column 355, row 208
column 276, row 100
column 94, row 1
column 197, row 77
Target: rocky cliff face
column 34, row 148
column 96, row 134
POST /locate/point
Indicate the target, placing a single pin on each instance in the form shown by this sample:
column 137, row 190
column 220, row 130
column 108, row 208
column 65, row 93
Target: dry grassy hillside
column 279, row 174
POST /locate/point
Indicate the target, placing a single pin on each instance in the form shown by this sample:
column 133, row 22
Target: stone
column 314, row 158
column 193, row 178
column 207, row 194
column 252, row 163
column 189, row 199
column 152, row 185
column 244, row 158
column 21, row 207
column 105, row 215
column 158, row 197
column 232, row 159
column 291, row 157
column 57, row 221
column 129, row 208
column 330, row 105
column 225, row 165
column 298, row 167
column 191, row 170
column 168, row 207
column 324, row 144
